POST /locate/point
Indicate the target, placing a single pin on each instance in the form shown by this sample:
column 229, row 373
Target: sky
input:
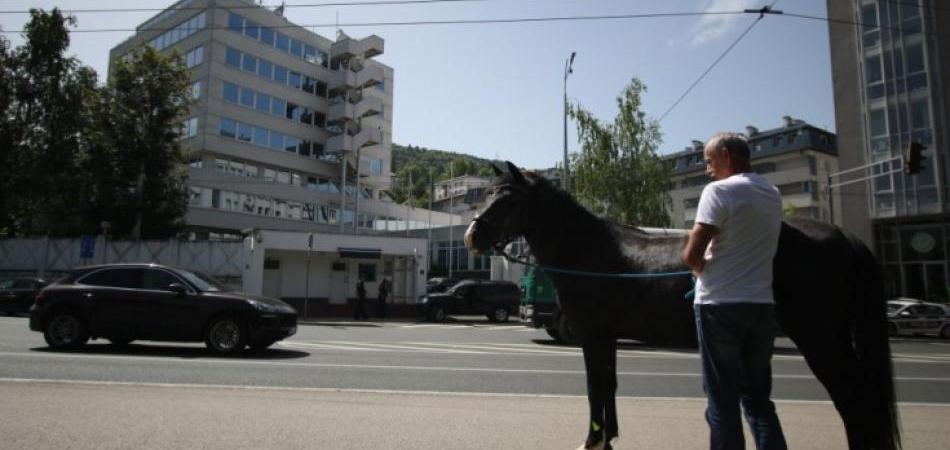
column 496, row 90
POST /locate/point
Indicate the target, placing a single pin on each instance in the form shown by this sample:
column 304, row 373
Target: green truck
column 539, row 307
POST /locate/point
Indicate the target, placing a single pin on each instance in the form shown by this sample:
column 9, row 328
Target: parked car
column 440, row 284
column 16, row 294
column 911, row 317
column 497, row 300
column 126, row 302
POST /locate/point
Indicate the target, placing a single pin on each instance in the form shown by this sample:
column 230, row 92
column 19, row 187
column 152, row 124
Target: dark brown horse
column 828, row 293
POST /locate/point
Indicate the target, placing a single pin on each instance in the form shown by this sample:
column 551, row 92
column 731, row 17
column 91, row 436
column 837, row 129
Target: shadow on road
column 167, row 351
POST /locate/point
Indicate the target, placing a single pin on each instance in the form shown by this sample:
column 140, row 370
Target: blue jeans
column 736, row 343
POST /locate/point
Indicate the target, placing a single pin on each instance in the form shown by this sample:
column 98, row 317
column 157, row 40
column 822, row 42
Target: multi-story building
column 289, row 130
column 797, row 158
column 461, row 195
column 891, row 73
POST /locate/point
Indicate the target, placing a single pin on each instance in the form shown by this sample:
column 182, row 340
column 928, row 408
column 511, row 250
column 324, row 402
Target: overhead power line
column 761, row 12
column 437, row 22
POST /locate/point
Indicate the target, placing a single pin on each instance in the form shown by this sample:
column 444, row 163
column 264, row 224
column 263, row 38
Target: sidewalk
column 48, row 415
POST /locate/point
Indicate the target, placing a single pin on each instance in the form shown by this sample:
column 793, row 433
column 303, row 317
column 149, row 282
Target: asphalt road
column 403, row 385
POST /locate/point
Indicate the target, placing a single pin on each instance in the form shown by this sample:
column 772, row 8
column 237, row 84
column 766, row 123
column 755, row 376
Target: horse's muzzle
column 475, row 236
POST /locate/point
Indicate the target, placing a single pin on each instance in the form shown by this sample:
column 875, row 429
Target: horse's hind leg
column 600, row 352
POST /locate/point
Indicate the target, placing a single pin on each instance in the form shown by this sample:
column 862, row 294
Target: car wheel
column 499, row 314
column 566, row 332
column 892, row 329
column 66, row 330
column 437, row 313
column 225, row 336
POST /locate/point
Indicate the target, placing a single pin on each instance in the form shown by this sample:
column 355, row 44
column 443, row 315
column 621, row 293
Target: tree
column 146, row 104
column 6, row 135
column 44, row 120
column 618, row 173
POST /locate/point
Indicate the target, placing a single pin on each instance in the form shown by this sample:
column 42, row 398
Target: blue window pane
column 278, row 107
column 294, row 79
column 293, row 111
column 232, row 57
column 296, row 48
column 249, row 64
column 304, row 148
column 276, row 141
column 308, row 85
column 247, row 98
column 265, row 69
column 252, row 29
column 280, row 74
column 260, row 136
column 230, row 93
column 291, row 143
column 310, row 54
column 228, row 127
column 263, row 103
column 244, row 132
column 283, row 42
column 267, row 36
column 235, row 22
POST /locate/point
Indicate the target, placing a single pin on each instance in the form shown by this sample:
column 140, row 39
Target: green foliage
column 44, row 120
column 147, row 101
column 618, row 173
column 415, row 163
column 71, row 152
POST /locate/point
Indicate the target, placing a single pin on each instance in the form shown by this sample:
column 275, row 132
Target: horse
column 827, row 285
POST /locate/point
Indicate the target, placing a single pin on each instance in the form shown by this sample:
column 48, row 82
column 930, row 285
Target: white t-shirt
column 747, row 210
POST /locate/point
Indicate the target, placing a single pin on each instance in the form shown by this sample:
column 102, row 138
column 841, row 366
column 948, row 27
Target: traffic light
column 913, row 158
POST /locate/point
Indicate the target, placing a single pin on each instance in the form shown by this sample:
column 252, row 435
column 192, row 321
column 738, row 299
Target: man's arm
column 699, row 238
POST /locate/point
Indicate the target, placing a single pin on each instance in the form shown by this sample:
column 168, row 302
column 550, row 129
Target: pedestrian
column 381, row 297
column 359, row 312
column 730, row 250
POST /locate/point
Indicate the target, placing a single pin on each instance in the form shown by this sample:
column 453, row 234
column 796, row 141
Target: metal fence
column 49, row 257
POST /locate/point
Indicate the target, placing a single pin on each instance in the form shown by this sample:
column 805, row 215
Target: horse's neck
column 568, row 236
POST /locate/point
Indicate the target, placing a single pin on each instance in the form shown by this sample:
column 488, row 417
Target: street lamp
column 565, row 171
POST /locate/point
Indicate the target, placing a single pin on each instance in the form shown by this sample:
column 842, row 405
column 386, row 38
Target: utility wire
column 298, row 5
column 436, row 22
column 762, row 12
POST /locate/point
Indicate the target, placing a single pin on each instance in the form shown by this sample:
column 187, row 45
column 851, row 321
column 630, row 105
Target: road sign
column 87, row 247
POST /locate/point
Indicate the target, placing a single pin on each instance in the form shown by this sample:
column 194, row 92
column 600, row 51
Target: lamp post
column 565, row 171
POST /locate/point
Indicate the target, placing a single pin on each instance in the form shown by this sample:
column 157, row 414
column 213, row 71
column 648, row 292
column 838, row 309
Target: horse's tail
column 873, row 350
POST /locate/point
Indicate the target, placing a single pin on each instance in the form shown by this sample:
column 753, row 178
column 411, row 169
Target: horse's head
column 502, row 220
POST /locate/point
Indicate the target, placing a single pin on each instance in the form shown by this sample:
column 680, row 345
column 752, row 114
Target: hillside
column 415, row 162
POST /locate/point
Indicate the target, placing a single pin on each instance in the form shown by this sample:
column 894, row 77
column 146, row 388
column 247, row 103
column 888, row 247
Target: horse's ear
column 498, row 172
column 516, row 174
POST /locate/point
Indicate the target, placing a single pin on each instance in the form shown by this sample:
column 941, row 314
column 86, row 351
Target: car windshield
column 893, row 307
column 201, row 281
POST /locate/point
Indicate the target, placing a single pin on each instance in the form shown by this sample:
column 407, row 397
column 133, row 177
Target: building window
column 196, row 90
column 273, row 72
column 179, row 32
column 190, row 128
column 276, row 39
column 194, row 57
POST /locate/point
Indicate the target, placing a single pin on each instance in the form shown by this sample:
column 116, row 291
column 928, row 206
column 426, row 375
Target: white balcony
column 346, row 111
column 342, row 143
column 347, row 79
column 367, row 47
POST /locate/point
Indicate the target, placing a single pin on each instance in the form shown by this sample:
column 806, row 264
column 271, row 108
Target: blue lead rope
column 689, row 295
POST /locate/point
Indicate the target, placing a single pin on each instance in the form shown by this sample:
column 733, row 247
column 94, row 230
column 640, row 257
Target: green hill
column 414, row 163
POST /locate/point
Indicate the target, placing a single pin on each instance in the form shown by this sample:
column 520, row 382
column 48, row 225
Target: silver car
column 909, row 317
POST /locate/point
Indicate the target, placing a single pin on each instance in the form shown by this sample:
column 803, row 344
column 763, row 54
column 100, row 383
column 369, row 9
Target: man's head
column 726, row 154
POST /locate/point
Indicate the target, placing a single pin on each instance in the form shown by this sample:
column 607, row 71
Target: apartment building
column 796, row 157
column 290, row 130
column 891, row 77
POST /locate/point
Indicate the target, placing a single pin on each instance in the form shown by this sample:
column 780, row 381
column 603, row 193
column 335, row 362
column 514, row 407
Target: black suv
column 497, row 300
column 125, row 302
column 16, row 294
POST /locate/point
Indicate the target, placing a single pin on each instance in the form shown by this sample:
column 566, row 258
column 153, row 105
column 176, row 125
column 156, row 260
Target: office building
column 891, row 73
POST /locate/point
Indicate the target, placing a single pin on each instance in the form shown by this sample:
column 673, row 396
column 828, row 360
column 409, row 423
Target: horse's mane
column 636, row 248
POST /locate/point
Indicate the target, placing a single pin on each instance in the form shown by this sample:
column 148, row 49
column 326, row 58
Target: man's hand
column 699, row 238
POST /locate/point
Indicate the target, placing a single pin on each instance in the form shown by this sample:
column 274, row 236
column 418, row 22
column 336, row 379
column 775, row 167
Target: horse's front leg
column 600, row 358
